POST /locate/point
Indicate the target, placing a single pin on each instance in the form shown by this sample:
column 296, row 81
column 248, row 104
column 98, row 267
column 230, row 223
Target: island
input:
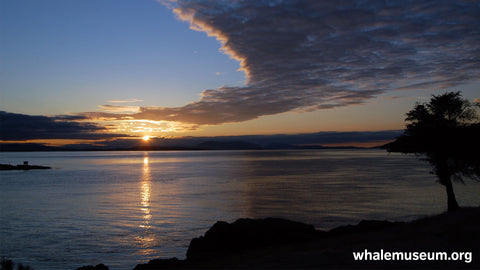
column 25, row 166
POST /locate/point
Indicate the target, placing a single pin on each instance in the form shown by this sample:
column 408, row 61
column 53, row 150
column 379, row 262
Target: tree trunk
column 444, row 174
column 451, row 201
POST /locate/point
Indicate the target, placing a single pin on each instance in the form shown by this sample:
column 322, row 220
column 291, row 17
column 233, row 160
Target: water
column 125, row 208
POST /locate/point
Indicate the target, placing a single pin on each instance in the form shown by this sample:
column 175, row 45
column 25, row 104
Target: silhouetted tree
column 447, row 131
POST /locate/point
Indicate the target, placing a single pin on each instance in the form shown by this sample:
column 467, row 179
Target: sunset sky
column 104, row 69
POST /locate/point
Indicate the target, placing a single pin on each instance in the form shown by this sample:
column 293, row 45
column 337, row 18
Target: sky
column 94, row 70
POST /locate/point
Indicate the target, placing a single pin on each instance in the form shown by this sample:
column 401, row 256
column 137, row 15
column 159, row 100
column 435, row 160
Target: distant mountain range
column 320, row 140
column 207, row 145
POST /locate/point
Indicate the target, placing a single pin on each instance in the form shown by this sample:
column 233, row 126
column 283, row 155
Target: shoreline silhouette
column 274, row 243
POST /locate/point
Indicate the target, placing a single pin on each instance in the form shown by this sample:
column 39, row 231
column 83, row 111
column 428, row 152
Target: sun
column 146, row 138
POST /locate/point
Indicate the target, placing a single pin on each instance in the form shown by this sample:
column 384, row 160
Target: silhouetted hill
column 243, row 142
column 232, row 145
column 207, row 145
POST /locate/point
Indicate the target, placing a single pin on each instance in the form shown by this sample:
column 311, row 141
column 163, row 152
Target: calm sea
column 125, row 208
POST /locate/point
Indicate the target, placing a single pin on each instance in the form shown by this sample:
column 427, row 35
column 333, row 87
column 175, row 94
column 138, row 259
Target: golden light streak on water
column 146, row 239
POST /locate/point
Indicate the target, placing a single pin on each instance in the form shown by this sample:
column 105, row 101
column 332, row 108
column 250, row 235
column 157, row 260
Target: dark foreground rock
column 245, row 234
column 279, row 243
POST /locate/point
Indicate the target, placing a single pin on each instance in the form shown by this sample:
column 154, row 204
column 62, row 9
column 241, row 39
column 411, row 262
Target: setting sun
column 146, row 138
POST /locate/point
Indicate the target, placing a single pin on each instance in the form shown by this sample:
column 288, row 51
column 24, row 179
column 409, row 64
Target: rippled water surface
column 125, row 208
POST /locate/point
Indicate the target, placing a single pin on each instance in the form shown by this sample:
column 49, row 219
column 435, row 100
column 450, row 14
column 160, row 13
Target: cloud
column 310, row 55
column 148, row 126
column 119, row 109
column 126, row 101
column 20, row 127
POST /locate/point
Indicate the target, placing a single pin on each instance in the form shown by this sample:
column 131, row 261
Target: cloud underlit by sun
column 303, row 56
column 135, row 127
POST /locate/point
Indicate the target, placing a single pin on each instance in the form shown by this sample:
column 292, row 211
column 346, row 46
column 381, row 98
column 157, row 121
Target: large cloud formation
column 309, row 55
column 21, row 127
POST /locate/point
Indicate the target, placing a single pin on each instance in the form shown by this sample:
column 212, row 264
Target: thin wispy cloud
column 119, row 109
column 133, row 100
column 311, row 55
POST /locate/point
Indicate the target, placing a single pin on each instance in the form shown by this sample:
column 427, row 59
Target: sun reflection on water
column 146, row 238
column 145, row 193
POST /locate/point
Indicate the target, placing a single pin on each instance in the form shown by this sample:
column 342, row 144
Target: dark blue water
column 125, row 208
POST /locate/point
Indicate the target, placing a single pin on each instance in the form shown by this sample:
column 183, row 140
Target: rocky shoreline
column 278, row 243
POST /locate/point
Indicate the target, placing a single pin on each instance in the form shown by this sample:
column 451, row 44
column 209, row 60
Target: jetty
column 25, row 166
